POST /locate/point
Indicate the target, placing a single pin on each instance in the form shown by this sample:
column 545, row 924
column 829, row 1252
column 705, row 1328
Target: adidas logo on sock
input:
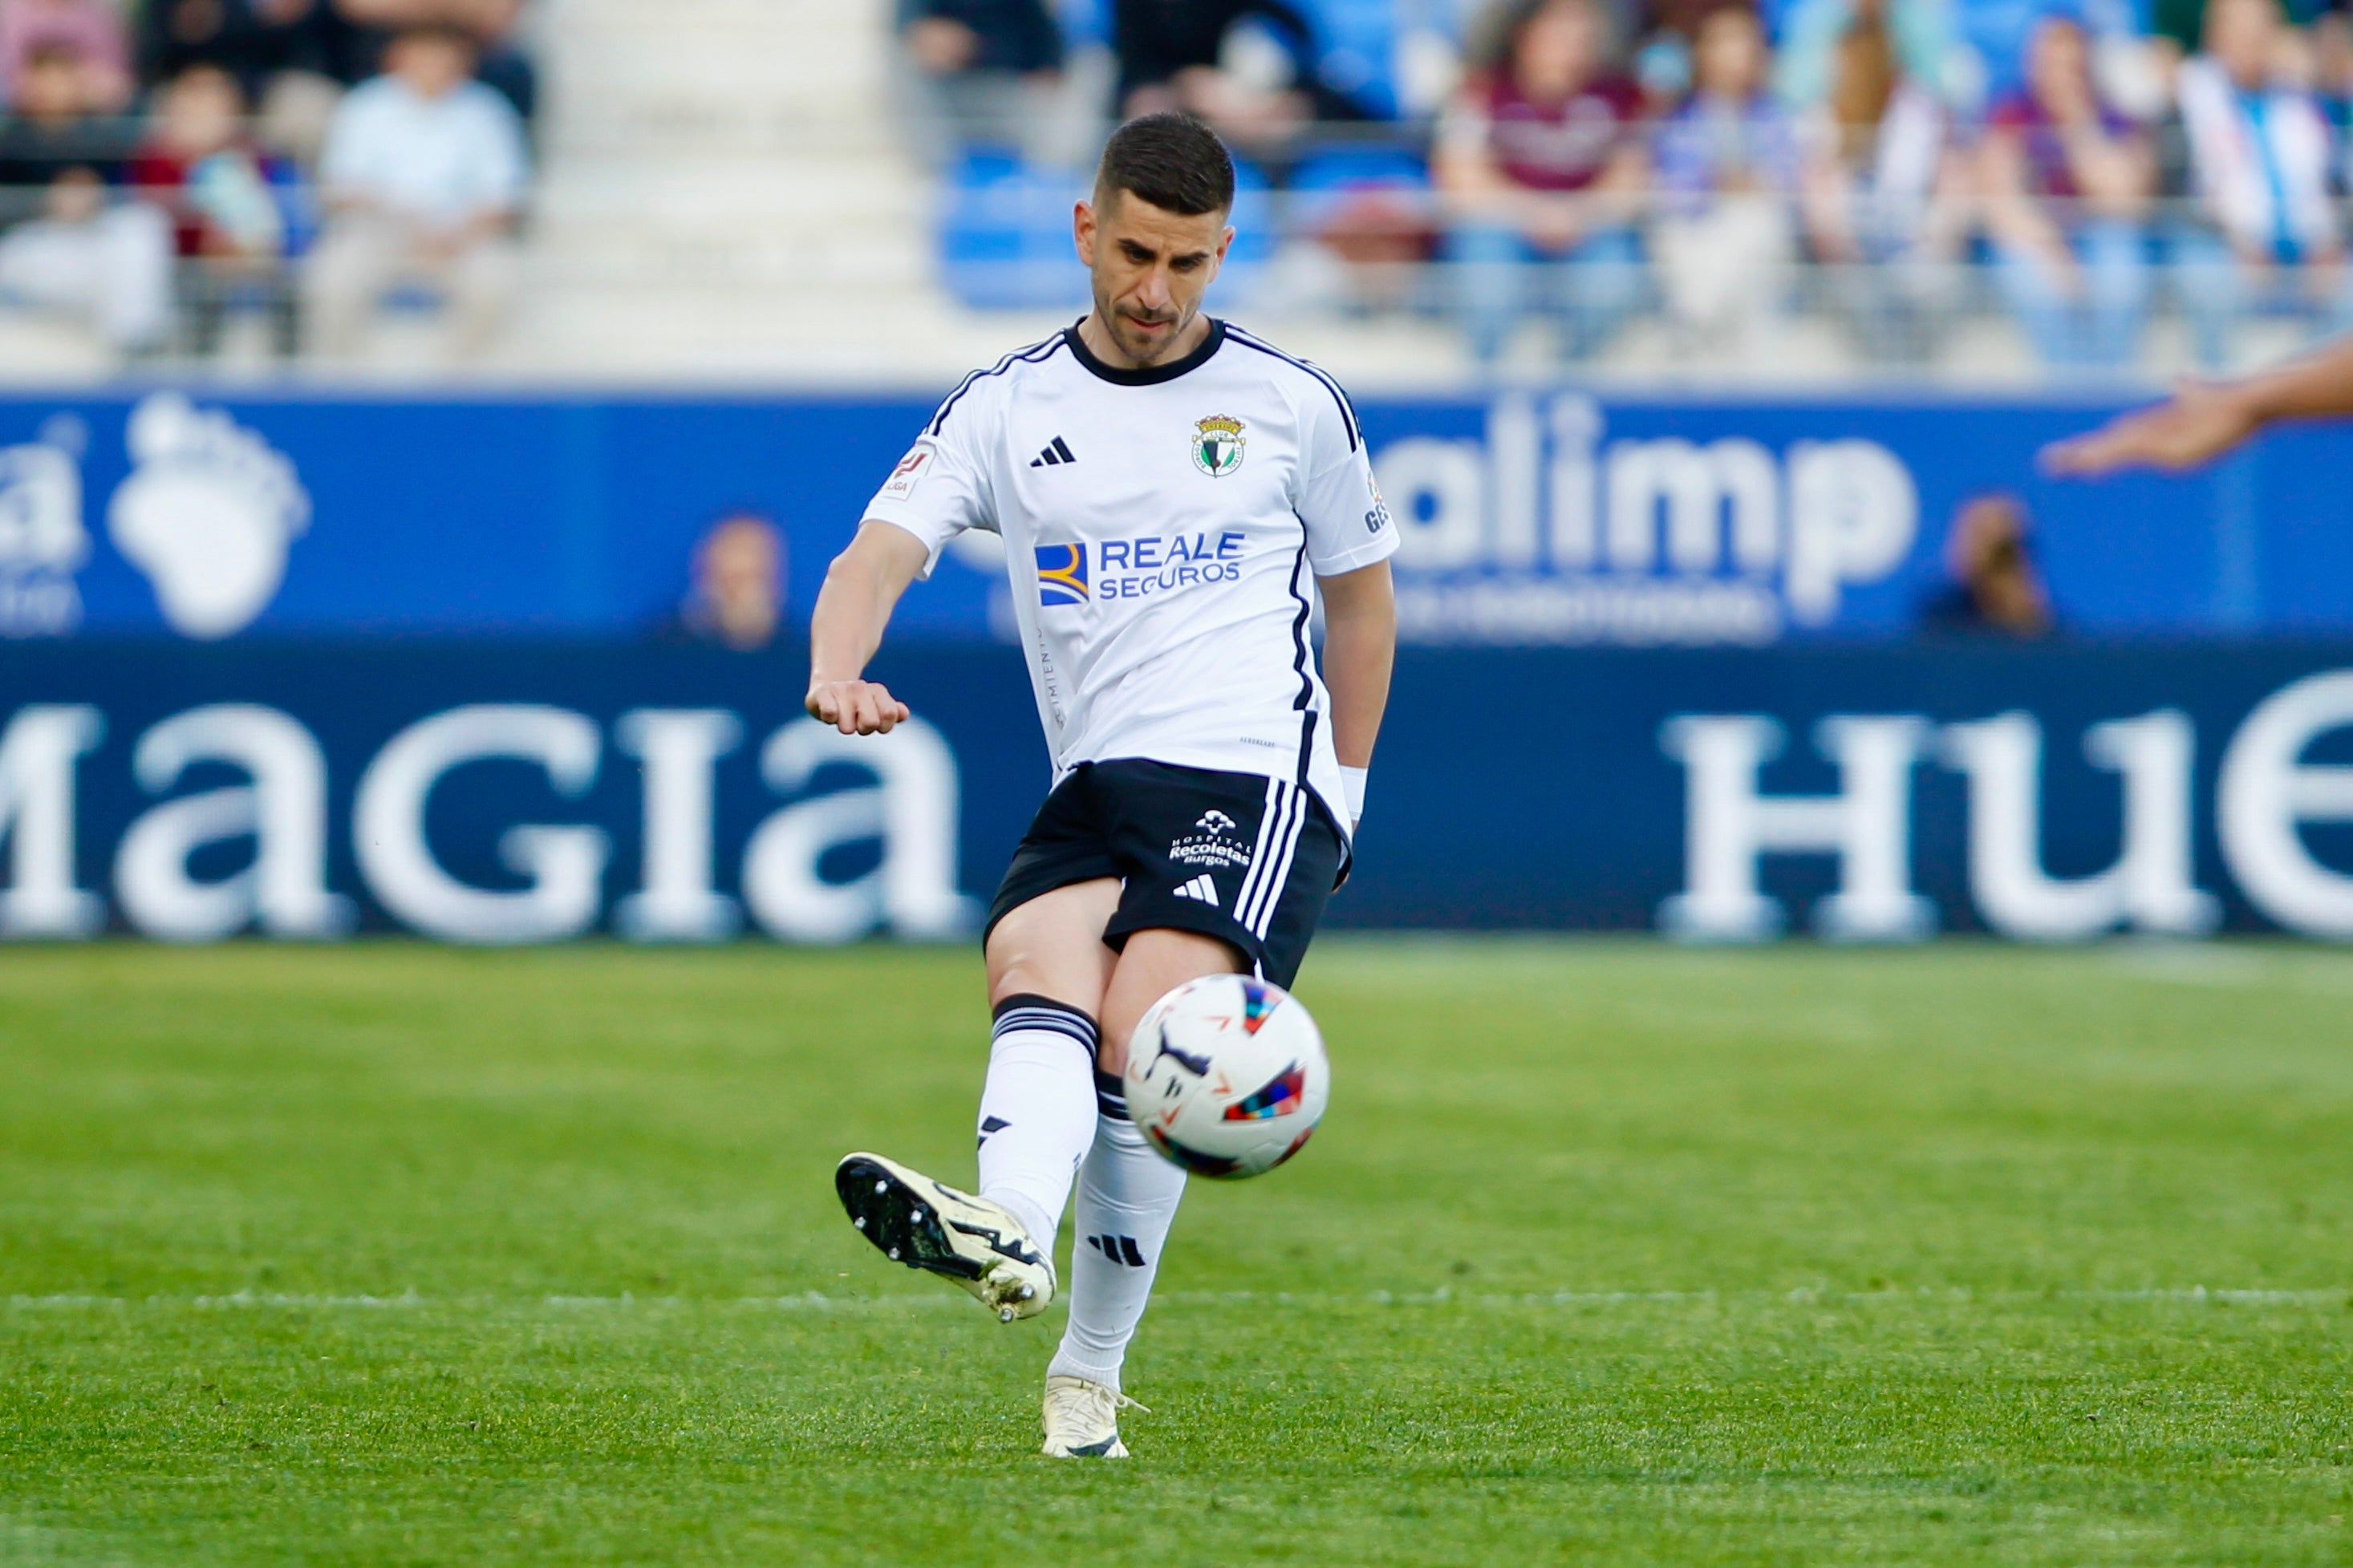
column 1055, row 455
column 1201, row 889
column 1118, row 1249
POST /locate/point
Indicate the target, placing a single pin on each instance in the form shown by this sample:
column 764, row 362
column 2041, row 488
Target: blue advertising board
column 1527, row 518
column 528, row 791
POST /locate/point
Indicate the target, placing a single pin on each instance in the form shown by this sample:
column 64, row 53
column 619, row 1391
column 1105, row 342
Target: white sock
column 1037, row 1110
column 1127, row 1199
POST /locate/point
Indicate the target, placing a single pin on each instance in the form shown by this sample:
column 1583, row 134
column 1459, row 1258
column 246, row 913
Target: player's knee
column 1020, row 964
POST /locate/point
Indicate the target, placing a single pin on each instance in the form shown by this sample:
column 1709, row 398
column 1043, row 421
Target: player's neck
column 1100, row 343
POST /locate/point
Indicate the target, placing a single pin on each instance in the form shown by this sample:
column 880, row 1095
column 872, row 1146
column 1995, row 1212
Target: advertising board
column 1535, row 518
column 533, row 793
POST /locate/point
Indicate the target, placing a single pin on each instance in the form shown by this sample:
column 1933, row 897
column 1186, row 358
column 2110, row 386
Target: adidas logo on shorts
column 1201, row 887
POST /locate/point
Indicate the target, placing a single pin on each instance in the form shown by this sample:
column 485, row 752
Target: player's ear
column 1083, row 231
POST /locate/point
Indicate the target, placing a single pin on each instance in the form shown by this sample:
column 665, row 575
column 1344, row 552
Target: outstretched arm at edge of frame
column 2204, row 419
column 861, row 588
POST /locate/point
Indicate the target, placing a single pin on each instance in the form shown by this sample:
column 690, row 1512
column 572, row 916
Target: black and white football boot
column 923, row 1224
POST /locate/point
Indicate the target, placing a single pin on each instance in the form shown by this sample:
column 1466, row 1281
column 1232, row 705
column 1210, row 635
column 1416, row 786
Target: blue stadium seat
column 1083, row 22
column 1356, row 50
column 1255, row 234
column 1004, row 235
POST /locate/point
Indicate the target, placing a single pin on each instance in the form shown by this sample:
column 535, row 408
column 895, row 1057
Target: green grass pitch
column 1607, row 1253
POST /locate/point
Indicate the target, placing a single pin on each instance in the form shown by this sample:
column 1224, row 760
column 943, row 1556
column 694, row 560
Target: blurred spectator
column 90, row 32
column 1246, row 67
column 1542, row 171
column 1669, row 31
column 2067, row 182
column 223, row 194
column 1915, row 34
column 256, row 41
column 1993, row 583
column 984, row 71
column 494, row 27
column 1727, row 165
column 2261, row 153
column 737, row 596
column 1884, row 197
column 69, row 246
column 424, row 175
column 1993, row 40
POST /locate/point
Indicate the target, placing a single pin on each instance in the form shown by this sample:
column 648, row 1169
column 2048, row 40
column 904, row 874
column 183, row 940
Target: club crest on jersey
column 1062, row 574
column 1217, row 445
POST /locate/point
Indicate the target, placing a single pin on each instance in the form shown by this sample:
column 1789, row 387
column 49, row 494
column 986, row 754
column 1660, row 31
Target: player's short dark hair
column 1172, row 161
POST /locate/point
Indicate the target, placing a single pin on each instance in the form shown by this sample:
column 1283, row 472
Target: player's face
column 1151, row 268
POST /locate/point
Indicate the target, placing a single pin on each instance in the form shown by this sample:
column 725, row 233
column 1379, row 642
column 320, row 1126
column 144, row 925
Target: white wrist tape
column 1352, row 785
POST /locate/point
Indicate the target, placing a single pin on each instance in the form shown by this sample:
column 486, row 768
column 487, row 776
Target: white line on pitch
column 816, row 1301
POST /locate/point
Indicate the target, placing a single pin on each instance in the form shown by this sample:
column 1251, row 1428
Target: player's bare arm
column 2204, row 419
column 1359, row 653
column 861, row 588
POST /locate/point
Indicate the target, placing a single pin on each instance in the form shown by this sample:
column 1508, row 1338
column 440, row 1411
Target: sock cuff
column 1026, row 1012
column 1098, row 1366
column 1111, row 1095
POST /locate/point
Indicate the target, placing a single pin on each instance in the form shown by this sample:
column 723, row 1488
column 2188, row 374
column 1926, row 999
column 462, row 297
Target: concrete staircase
column 725, row 196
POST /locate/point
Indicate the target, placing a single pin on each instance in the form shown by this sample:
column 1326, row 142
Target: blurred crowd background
column 1993, row 189
column 388, row 384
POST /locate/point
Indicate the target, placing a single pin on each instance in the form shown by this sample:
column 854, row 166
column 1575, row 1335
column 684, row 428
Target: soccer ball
column 1227, row 1076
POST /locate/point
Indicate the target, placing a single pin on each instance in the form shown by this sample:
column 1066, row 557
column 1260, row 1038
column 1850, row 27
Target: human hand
column 1554, row 225
column 855, row 707
column 2203, row 420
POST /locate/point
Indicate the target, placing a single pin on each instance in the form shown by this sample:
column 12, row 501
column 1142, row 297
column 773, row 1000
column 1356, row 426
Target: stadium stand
column 864, row 190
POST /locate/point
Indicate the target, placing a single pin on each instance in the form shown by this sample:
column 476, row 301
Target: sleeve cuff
column 924, row 536
column 1377, row 549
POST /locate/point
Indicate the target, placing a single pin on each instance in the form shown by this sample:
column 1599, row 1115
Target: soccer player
column 1167, row 485
column 2205, row 420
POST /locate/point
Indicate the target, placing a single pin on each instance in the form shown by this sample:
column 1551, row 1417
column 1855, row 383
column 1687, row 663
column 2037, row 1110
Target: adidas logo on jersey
column 1201, row 889
column 1054, row 455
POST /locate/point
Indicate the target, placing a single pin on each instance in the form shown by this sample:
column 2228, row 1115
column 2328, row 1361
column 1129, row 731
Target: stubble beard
column 1146, row 352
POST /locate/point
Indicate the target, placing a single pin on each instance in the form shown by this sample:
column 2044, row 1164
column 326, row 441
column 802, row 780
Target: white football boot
column 929, row 1224
column 1082, row 1420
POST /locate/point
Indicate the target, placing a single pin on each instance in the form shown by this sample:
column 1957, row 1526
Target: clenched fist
column 855, row 707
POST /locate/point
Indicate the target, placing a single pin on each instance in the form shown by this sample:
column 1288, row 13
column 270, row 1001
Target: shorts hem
column 1198, row 920
column 1010, row 899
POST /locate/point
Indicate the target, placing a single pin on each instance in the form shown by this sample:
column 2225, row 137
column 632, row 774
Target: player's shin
column 1127, row 1200
column 1037, row 1109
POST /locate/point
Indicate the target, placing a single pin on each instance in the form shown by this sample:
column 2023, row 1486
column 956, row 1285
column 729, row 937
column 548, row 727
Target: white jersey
column 1161, row 527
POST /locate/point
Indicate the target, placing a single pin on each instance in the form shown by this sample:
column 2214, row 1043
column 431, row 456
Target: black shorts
column 1237, row 856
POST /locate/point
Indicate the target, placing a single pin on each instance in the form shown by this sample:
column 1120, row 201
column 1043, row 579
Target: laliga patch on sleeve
column 908, row 474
